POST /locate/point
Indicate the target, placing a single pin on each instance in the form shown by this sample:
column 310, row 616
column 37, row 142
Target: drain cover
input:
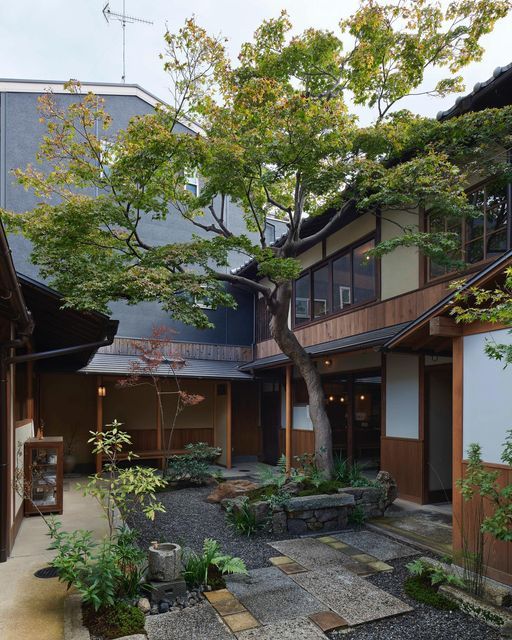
column 47, row 572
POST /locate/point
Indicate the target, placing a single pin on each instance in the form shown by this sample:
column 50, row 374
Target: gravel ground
column 189, row 519
column 424, row 623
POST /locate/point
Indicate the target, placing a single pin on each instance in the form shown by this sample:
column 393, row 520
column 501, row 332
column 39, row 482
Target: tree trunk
column 279, row 306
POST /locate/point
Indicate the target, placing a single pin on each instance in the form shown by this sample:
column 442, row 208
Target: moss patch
column 113, row 622
column 421, row 590
column 262, row 493
column 326, row 487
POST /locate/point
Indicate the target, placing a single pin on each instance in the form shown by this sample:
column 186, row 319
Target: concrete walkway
column 32, row 608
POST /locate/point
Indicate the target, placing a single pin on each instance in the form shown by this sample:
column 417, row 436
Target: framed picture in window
column 345, row 297
column 302, row 307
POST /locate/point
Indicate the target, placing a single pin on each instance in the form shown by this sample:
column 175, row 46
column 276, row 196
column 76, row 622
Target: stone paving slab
column 376, row 545
column 195, row 623
column 298, row 629
column 351, row 597
column 311, row 553
column 271, row 596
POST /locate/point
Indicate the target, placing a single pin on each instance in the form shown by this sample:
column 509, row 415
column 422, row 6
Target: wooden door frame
column 443, row 366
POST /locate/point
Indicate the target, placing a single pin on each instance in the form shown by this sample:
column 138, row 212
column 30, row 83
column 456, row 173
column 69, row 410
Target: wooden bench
column 158, row 454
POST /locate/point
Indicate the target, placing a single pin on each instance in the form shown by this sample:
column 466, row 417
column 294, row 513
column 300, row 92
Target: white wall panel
column 487, row 406
column 402, row 396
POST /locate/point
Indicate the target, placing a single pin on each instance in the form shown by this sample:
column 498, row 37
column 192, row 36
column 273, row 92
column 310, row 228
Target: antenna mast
column 124, row 20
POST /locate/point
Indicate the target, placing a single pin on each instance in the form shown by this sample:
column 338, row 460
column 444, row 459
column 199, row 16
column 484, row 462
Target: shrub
column 114, row 622
column 103, row 572
column 242, row 518
column 433, row 573
column 186, row 469
column 357, row 516
column 199, row 568
column 420, row 590
column 203, row 451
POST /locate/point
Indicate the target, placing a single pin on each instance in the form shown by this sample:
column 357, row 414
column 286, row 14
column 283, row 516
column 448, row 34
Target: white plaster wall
column 487, row 409
column 311, row 256
column 349, row 234
column 400, row 268
column 402, row 396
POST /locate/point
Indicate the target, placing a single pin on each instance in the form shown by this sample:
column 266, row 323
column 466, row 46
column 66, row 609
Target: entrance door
column 270, row 421
column 438, row 422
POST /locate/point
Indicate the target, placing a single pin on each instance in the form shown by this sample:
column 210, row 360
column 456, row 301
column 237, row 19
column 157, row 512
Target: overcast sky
column 62, row 39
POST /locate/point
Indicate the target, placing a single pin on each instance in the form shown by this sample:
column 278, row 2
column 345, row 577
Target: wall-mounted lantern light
column 327, row 362
column 102, row 391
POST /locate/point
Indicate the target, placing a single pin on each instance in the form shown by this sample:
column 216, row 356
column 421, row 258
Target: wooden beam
column 99, row 420
column 446, row 327
column 289, row 418
column 30, row 390
column 229, row 426
column 457, row 446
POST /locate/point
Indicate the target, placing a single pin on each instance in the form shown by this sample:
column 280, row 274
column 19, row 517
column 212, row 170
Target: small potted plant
column 69, row 457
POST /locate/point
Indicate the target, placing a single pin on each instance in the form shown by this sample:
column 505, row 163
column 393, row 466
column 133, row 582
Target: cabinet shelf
column 44, row 475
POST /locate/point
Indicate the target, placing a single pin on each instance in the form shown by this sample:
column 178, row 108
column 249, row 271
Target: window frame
column 484, row 238
column 328, row 261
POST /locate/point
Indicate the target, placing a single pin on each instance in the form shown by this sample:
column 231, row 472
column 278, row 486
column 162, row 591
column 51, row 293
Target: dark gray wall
column 20, row 136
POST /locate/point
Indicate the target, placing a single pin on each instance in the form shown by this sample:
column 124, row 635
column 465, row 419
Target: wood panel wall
column 403, row 458
column 246, row 429
column 193, row 350
column 303, row 441
column 374, row 316
column 145, row 439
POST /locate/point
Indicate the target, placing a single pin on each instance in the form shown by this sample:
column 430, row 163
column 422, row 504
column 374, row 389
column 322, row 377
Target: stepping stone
column 327, row 539
column 292, row 567
column 271, row 596
column 241, row 621
column 364, row 558
column 218, row 596
column 338, row 545
column 310, row 553
column 378, row 565
column 277, row 560
column 298, row 629
column 328, row 621
column 360, row 569
column 376, row 545
column 354, row 599
column 195, row 623
column 228, row 607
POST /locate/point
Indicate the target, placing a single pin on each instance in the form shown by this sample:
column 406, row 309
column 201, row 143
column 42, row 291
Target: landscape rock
column 322, row 501
column 231, row 489
column 144, row 605
column 389, row 486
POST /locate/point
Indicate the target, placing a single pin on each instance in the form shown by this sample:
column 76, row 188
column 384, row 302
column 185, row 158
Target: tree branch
column 243, row 282
column 302, row 245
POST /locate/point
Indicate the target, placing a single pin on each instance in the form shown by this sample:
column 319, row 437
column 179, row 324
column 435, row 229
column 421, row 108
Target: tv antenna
column 124, row 19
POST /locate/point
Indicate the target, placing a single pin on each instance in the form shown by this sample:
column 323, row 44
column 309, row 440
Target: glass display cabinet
column 44, row 474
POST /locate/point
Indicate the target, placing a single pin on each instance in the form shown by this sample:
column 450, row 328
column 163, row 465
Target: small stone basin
column 164, row 561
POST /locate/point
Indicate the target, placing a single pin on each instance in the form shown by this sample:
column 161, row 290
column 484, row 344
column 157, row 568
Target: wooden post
column 99, row 420
column 289, row 419
column 457, row 440
column 229, row 416
column 30, row 391
column 159, row 426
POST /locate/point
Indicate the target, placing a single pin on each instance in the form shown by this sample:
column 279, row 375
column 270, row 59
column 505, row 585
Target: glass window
column 270, row 233
column 321, row 304
column 364, row 273
column 341, row 283
column 302, row 299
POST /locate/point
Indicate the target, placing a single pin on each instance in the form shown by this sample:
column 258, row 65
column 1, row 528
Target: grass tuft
column 420, row 590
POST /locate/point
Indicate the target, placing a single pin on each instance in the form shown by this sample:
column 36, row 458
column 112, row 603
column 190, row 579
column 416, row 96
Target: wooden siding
column 403, row 458
column 303, row 441
column 246, row 430
column 193, row 350
column 374, row 316
column 146, row 439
